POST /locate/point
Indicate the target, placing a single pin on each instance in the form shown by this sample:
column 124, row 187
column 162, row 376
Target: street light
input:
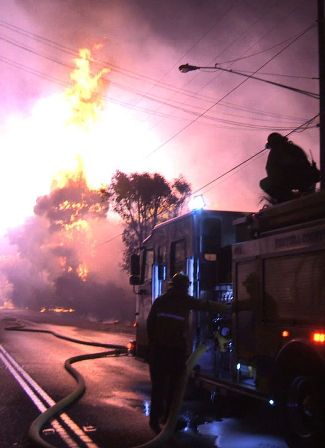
column 188, row 68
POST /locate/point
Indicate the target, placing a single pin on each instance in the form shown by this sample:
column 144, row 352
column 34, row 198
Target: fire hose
column 116, row 350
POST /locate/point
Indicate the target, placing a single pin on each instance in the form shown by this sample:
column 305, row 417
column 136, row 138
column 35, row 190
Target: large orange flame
column 71, row 212
column 87, row 89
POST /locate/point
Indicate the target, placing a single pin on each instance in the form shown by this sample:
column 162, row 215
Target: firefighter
column 169, row 343
column 289, row 172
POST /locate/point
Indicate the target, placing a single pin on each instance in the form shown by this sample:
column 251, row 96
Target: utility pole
column 321, row 53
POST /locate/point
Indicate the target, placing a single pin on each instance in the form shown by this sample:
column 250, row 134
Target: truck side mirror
column 135, row 269
column 135, row 264
column 134, row 280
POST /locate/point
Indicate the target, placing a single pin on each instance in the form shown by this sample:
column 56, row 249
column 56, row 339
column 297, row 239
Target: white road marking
column 32, row 388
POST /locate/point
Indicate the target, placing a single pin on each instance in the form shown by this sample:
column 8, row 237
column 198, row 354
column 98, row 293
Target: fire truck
column 271, row 266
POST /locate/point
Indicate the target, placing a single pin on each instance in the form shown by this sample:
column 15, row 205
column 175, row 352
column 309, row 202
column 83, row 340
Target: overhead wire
column 233, row 42
column 241, row 58
column 199, row 116
column 30, row 50
column 204, row 35
column 180, row 131
column 98, row 61
column 239, row 165
column 189, row 124
column 285, row 86
column 271, row 7
column 303, row 126
column 48, row 41
column 283, row 75
column 177, row 106
column 73, row 52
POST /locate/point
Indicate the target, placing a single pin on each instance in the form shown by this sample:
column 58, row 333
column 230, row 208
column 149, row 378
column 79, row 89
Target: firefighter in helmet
column 288, row 169
column 168, row 334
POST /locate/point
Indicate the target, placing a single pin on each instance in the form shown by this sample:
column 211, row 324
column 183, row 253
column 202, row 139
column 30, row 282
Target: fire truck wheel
column 304, row 411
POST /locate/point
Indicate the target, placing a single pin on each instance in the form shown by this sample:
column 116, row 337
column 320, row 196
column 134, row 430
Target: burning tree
column 142, row 201
column 58, row 257
column 70, row 204
column 69, row 209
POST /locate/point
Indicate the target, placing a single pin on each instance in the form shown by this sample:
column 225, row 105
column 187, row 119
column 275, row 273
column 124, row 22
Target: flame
column 82, row 272
column 57, row 309
column 85, row 93
column 80, row 226
column 77, row 126
column 7, row 305
column 85, row 99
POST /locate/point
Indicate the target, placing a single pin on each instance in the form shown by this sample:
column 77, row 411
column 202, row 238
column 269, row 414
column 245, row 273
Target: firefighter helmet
column 180, row 280
column 275, row 139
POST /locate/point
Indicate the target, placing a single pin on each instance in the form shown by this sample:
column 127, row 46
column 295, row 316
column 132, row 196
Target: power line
column 230, row 124
column 70, row 51
column 155, row 99
column 241, row 58
column 205, row 34
column 249, row 27
column 198, row 115
column 75, row 53
column 109, row 240
column 251, row 157
column 283, row 75
column 227, row 172
column 216, row 67
column 273, row 7
column 227, row 94
column 30, row 50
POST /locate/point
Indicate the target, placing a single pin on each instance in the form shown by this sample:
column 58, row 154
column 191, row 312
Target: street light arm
column 188, row 68
column 285, row 86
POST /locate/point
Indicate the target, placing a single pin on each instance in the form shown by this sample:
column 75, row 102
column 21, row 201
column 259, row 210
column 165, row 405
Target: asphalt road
column 114, row 410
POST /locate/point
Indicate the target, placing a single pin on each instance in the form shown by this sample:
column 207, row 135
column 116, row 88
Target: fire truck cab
column 271, row 266
column 197, row 244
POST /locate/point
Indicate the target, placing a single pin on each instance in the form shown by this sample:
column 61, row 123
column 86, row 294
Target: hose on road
column 170, row 426
column 116, row 350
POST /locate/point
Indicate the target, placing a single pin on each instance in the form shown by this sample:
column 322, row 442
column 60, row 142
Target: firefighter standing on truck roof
column 168, row 334
column 288, row 170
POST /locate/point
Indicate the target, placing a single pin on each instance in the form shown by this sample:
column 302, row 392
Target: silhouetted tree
column 143, row 200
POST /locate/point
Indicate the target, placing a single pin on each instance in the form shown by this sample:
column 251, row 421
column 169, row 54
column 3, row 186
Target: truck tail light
column 318, row 337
